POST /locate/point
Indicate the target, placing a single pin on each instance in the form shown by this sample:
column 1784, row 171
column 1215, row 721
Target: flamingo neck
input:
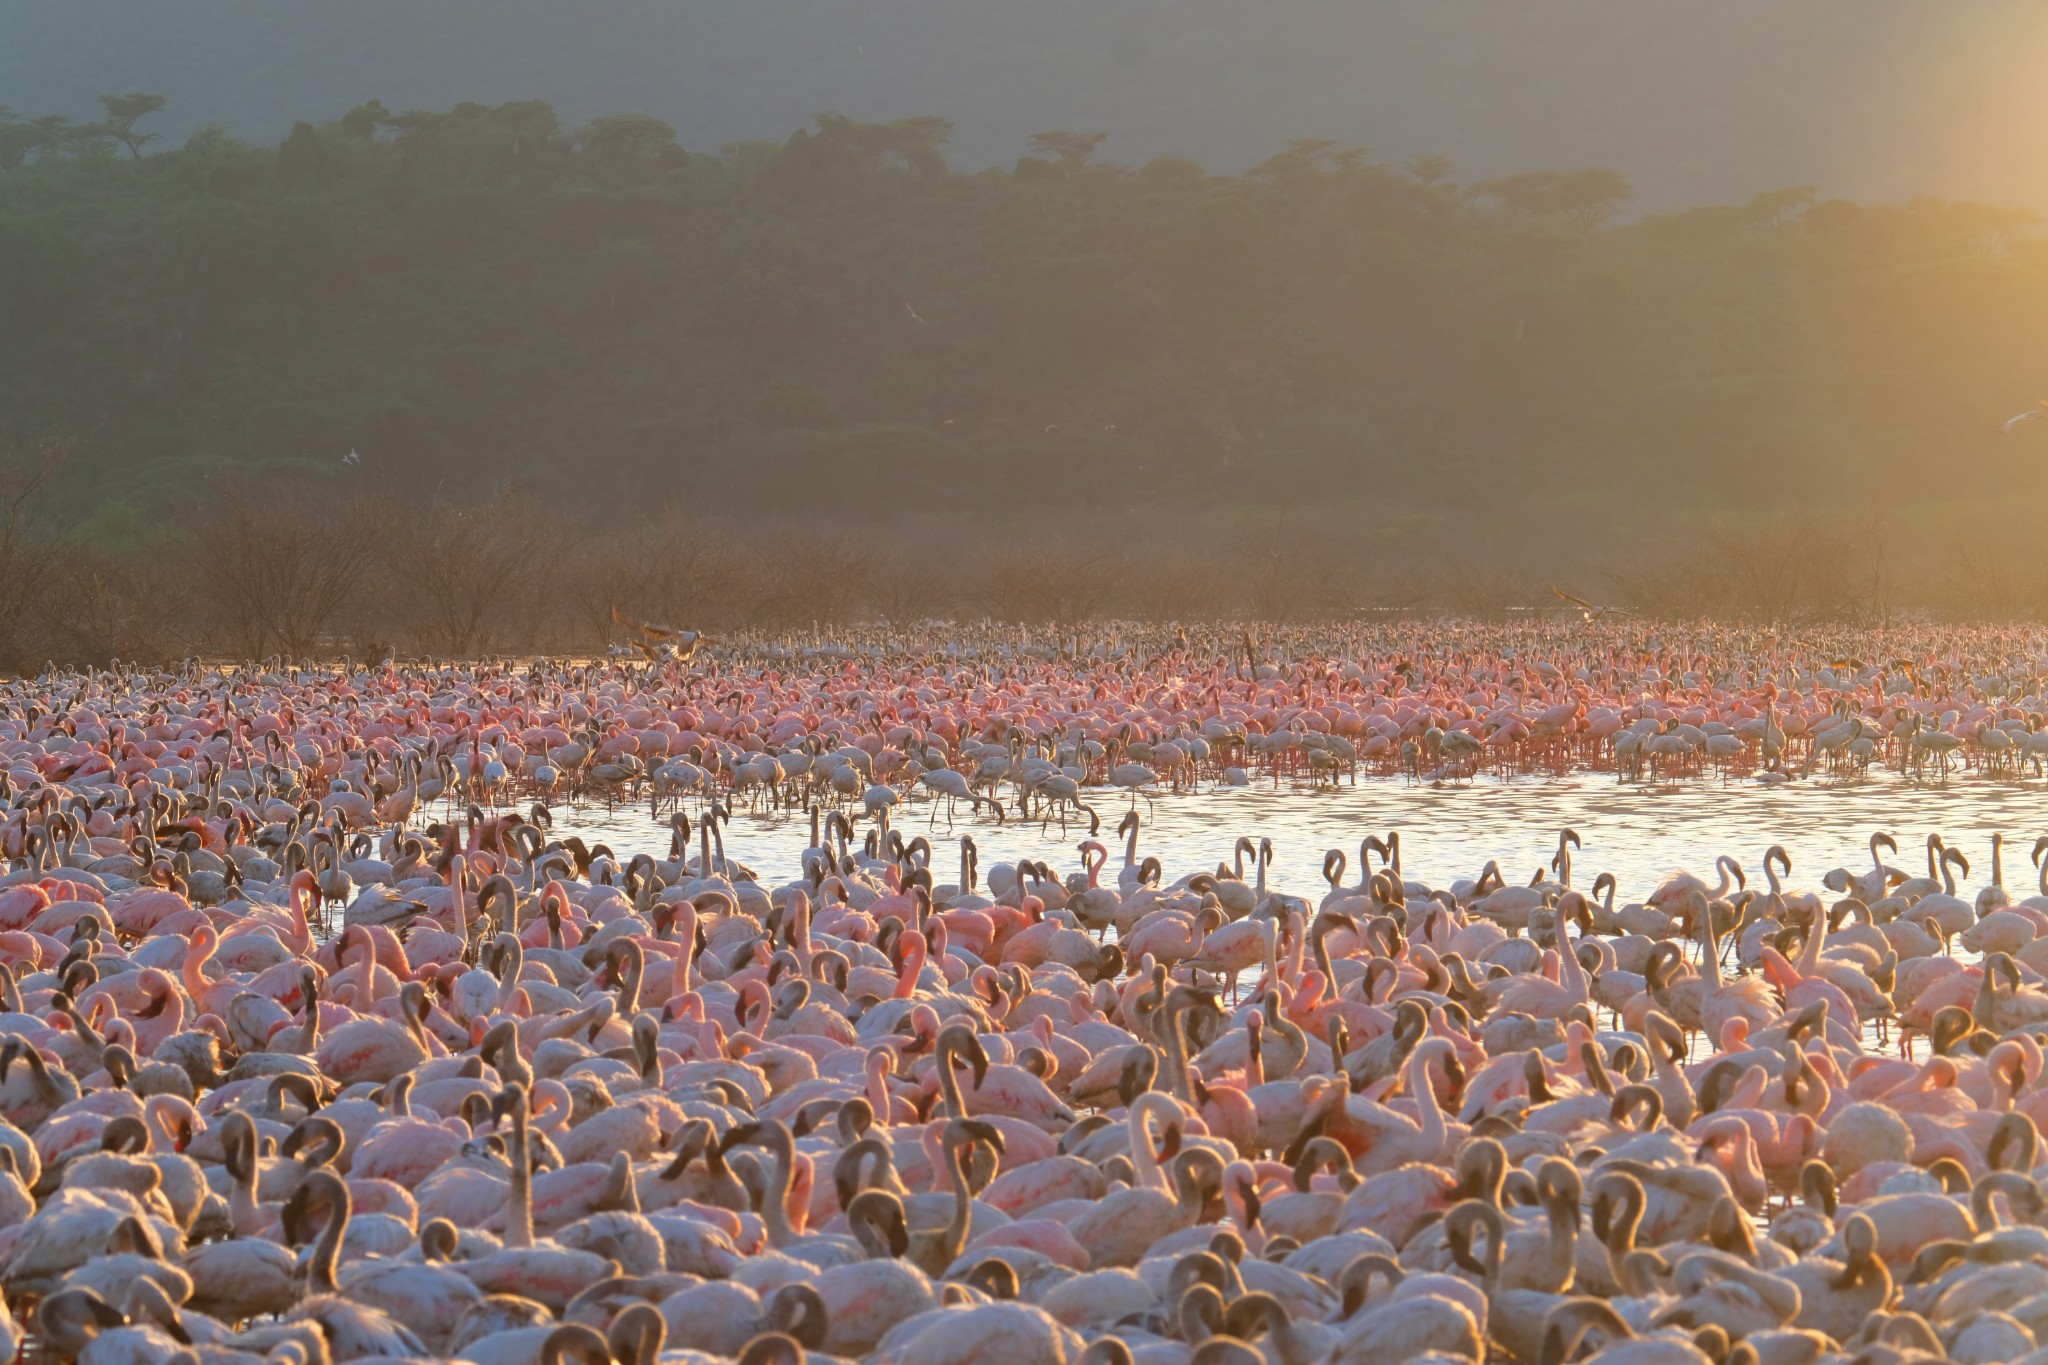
column 800, row 930
column 194, row 970
column 1431, row 1113
column 878, row 1085
column 775, row 1208
column 1571, row 973
column 1710, row 963
column 327, row 1250
column 1144, row 1157
column 914, row 956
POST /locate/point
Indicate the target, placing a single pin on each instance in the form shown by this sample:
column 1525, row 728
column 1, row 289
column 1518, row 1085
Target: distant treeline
column 839, row 344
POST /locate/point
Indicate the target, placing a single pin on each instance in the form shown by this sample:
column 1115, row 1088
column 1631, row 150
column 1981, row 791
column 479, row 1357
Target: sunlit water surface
column 1640, row 833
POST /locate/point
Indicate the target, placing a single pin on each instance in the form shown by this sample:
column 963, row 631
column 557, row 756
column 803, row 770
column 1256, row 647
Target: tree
column 1585, row 198
column 1428, row 169
column 920, row 142
column 846, row 322
column 1779, row 207
column 21, row 139
column 534, row 125
column 623, row 139
column 1071, row 150
column 124, row 112
column 18, row 138
column 62, row 135
column 365, row 119
column 302, row 157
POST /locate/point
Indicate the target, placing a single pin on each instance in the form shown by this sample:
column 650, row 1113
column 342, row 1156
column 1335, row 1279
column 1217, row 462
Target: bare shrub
column 1393, row 588
column 1667, row 580
column 1993, row 578
column 600, row 574
column 691, row 571
column 1482, row 591
column 915, row 586
column 1056, row 585
column 110, row 607
column 28, row 556
column 280, row 570
column 264, row 568
column 1295, row 574
column 458, row 568
column 816, row 580
column 1766, row 574
column 1173, row 584
column 1797, row 570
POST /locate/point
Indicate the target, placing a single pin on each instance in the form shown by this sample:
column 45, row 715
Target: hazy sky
column 1695, row 99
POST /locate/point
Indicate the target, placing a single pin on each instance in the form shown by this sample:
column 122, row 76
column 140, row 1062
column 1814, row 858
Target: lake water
column 1638, row 832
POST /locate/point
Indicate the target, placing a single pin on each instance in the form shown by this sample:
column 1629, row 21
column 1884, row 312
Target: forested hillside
column 482, row 293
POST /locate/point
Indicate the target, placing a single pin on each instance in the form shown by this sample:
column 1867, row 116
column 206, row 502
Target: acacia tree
column 124, row 112
column 18, row 138
column 52, row 133
column 1072, row 151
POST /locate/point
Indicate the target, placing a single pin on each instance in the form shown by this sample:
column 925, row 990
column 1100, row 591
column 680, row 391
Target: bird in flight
column 2038, row 410
column 913, row 313
column 683, row 640
column 1586, row 609
column 351, row 457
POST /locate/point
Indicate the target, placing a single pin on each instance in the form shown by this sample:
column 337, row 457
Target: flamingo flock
column 319, row 1042
column 1136, row 709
